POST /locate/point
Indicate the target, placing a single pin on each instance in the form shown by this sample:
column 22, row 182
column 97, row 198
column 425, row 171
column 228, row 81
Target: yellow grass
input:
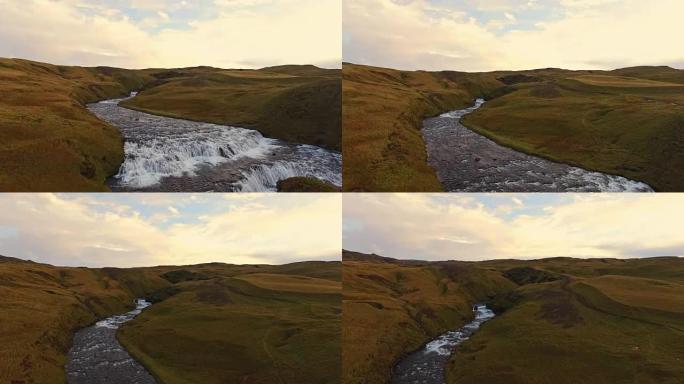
column 622, row 81
column 292, row 283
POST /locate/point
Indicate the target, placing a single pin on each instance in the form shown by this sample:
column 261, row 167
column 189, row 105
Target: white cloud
column 437, row 227
column 88, row 230
column 238, row 33
column 587, row 34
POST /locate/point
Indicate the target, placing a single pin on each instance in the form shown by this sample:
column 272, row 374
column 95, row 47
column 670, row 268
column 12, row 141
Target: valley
column 559, row 320
column 625, row 122
column 217, row 323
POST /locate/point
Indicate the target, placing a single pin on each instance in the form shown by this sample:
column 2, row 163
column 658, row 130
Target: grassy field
column 211, row 323
column 50, row 142
column 627, row 122
column 300, row 104
column 560, row 320
column 259, row 325
column 48, row 139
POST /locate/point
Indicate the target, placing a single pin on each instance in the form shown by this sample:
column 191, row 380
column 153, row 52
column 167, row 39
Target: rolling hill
column 626, row 122
column 216, row 323
column 560, row 320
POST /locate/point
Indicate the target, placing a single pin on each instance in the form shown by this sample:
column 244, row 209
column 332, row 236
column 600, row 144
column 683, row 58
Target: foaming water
column 167, row 154
column 310, row 162
column 426, row 366
column 97, row 357
column 116, row 321
column 469, row 162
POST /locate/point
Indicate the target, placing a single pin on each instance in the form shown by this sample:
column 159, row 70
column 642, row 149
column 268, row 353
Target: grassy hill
column 50, row 142
column 48, row 139
column 627, row 122
column 560, row 320
column 214, row 323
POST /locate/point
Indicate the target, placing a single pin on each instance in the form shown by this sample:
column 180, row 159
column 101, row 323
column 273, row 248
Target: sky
column 522, row 226
column 486, row 35
column 173, row 33
column 134, row 230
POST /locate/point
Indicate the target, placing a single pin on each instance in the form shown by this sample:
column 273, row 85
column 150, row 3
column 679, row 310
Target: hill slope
column 382, row 113
column 48, row 139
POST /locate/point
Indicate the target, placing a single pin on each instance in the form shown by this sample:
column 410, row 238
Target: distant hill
column 583, row 320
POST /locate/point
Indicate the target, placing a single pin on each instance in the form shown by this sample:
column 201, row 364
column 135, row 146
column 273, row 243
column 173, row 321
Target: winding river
column 164, row 154
column 468, row 162
column 97, row 357
column 426, row 366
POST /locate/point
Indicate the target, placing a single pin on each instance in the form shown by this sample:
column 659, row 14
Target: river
column 164, row 154
column 469, row 162
column 97, row 357
column 426, row 366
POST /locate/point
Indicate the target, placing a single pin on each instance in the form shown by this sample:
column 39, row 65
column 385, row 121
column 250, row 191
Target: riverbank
column 468, row 162
column 97, row 357
column 428, row 365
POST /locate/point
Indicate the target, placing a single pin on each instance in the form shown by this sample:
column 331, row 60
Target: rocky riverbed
column 96, row 356
column 173, row 155
column 469, row 162
column 426, row 366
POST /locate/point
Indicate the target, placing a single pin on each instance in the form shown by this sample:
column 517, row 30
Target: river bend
column 469, row 162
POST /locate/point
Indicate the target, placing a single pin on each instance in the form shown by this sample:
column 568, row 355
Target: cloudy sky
column 483, row 35
column 130, row 230
column 173, row 33
column 494, row 226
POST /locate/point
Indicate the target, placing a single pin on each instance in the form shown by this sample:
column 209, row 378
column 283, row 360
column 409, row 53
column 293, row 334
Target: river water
column 426, row 366
column 163, row 154
column 97, row 357
column 468, row 162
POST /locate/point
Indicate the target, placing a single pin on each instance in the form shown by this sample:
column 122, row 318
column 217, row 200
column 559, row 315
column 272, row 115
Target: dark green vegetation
column 210, row 323
column 560, row 320
column 50, row 142
column 628, row 122
column 306, row 184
